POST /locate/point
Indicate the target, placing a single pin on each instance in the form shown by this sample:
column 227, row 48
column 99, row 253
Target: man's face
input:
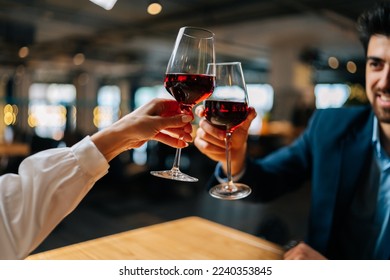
column 378, row 76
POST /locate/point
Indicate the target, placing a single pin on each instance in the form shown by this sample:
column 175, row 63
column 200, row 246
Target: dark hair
column 374, row 21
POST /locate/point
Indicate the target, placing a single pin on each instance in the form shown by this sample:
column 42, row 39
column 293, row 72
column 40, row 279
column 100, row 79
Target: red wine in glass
column 226, row 109
column 190, row 80
column 189, row 89
column 226, row 115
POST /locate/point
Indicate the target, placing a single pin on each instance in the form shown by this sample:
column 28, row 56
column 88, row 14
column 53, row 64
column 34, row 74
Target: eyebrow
column 373, row 58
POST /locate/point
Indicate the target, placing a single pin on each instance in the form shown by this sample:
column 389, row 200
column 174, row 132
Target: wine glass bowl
column 225, row 109
column 189, row 79
column 189, row 89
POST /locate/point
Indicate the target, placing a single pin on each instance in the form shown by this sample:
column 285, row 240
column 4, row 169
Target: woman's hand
column 160, row 119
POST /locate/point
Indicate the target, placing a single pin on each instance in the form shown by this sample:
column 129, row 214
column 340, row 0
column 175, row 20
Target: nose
column 384, row 79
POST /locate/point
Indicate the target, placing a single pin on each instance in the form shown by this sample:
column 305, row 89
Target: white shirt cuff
column 91, row 160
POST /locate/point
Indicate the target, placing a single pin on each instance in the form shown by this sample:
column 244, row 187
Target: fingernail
column 186, row 118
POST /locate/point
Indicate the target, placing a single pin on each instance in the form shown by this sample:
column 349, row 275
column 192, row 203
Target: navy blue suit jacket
column 335, row 153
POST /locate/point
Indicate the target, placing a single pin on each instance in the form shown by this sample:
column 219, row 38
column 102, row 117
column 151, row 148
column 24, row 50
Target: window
column 107, row 112
column 47, row 108
column 142, row 96
column 331, row 95
column 261, row 97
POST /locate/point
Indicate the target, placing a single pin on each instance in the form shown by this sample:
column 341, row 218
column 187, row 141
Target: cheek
column 370, row 84
column 369, row 93
column 370, row 97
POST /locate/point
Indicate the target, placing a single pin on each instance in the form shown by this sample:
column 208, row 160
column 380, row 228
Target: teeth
column 385, row 98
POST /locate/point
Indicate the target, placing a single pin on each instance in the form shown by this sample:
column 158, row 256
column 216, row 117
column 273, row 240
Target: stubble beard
column 383, row 115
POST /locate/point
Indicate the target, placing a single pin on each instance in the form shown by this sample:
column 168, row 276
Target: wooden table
column 190, row 238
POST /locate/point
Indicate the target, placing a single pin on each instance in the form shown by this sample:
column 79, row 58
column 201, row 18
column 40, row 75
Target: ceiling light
column 333, row 62
column 23, row 52
column 106, row 4
column 154, row 7
column 78, row 59
column 351, row 67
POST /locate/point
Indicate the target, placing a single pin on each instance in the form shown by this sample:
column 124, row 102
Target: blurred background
column 70, row 68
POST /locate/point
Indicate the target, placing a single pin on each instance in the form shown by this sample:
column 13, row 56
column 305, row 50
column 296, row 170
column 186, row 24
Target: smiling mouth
column 383, row 101
column 385, row 98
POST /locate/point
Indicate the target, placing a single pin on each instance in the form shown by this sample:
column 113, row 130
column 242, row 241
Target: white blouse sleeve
column 48, row 186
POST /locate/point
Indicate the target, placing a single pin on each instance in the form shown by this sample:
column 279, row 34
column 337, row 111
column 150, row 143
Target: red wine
column 226, row 115
column 189, row 89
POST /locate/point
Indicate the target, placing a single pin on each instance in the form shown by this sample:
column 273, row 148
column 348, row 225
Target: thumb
column 199, row 111
column 251, row 116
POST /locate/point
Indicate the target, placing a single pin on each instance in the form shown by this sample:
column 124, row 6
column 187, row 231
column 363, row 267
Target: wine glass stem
column 176, row 162
column 230, row 185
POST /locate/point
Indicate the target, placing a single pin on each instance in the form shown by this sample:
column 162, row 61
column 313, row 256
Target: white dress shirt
column 49, row 185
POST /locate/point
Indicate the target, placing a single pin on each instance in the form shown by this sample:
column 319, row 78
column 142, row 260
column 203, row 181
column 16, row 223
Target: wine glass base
column 174, row 175
column 224, row 192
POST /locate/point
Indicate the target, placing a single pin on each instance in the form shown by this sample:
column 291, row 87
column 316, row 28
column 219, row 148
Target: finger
column 178, row 132
column 201, row 134
column 291, row 254
column 287, row 255
column 171, row 141
column 213, row 131
column 214, row 152
column 251, row 116
column 299, row 252
column 199, row 111
column 242, row 130
column 177, row 121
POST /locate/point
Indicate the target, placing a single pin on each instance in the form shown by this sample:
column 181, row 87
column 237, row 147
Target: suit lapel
column 349, row 162
column 356, row 154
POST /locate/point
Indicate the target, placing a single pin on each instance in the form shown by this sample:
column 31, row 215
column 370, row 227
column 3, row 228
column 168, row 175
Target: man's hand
column 302, row 251
column 211, row 141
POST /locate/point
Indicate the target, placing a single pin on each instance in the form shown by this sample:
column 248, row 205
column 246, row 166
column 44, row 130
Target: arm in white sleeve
column 48, row 186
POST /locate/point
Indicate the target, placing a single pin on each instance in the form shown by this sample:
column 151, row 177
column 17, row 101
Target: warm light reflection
column 48, row 115
column 78, row 59
column 154, row 8
column 10, row 113
column 23, row 52
column 32, row 121
column 102, row 116
column 351, row 67
column 333, row 62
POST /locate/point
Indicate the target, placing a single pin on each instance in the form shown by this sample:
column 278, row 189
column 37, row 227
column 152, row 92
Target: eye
column 375, row 64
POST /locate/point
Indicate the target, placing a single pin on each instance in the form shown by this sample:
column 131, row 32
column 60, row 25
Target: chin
column 383, row 119
column 383, row 116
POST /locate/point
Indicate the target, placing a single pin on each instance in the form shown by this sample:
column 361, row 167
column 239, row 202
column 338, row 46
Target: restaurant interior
column 70, row 68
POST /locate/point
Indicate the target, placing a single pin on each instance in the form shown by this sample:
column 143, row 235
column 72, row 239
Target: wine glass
column 189, row 79
column 225, row 109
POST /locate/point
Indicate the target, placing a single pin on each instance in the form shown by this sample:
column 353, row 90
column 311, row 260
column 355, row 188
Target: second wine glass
column 189, row 80
column 225, row 109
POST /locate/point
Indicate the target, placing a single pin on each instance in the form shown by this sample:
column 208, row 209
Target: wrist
column 108, row 143
column 221, row 176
